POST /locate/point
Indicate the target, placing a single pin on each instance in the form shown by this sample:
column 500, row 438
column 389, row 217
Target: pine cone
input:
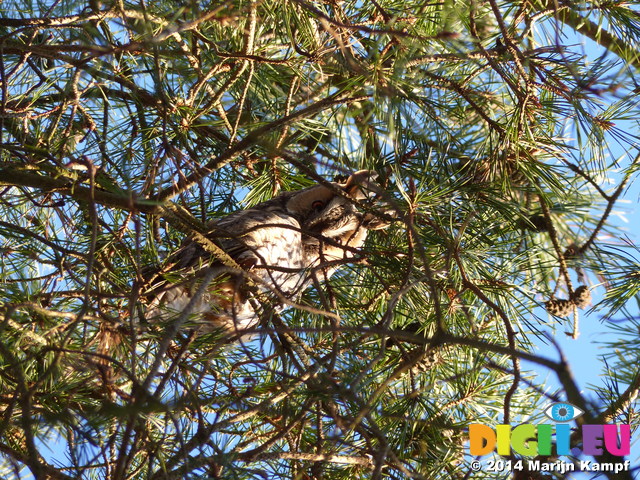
column 430, row 358
column 581, row 296
column 559, row 307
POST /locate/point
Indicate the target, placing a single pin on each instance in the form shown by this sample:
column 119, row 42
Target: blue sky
column 584, row 353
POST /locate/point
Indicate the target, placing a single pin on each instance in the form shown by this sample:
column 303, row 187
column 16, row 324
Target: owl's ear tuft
column 362, row 184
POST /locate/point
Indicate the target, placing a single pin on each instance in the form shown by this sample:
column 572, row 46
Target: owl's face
column 332, row 224
column 321, row 204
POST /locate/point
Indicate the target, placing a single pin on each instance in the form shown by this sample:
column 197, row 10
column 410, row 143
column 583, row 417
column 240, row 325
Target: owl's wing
column 266, row 242
column 172, row 287
column 193, row 257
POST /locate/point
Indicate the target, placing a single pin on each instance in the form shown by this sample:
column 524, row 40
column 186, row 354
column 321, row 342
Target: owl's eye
column 317, row 205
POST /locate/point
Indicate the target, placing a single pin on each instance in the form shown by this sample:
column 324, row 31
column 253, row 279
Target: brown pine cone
column 559, row 307
column 581, row 296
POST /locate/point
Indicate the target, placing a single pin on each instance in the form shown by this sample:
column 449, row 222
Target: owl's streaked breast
column 271, row 243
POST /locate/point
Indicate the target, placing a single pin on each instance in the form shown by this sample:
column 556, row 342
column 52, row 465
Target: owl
column 277, row 249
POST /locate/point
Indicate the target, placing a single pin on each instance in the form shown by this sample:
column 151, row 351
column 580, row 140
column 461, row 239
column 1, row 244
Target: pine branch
column 567, row 14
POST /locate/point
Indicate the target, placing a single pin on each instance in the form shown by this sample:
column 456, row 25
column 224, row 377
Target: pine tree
column 504, row 135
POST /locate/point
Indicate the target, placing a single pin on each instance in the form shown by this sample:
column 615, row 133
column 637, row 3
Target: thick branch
column 74, row 188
